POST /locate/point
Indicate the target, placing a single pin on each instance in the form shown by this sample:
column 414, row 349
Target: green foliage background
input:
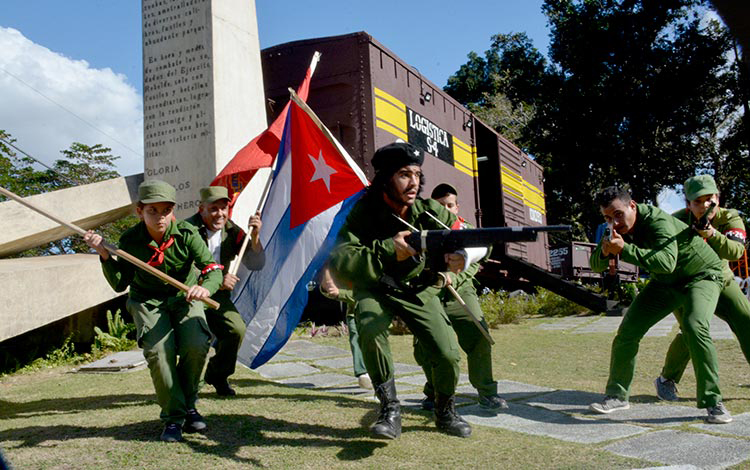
column 81, row 164
column 634, row 93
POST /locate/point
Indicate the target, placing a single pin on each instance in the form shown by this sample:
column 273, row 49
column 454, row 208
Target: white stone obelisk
column 202, row 92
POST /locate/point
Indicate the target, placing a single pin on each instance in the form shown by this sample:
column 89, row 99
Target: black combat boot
column 388, row 424
column 447, row 419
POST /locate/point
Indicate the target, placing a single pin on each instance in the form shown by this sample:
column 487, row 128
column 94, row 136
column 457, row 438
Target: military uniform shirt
column 365, row 251
column 666, row 247
column 188, row 248
column 728, row 240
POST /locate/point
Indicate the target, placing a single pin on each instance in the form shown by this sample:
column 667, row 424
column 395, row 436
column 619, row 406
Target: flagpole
column 110, row 248
column 235, row 265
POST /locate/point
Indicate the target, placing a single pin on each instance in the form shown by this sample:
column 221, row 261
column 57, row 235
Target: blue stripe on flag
column 291, row 312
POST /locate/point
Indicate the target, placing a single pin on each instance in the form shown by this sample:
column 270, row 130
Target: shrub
column 549, row 304
column 116, row 339
column 500, row 308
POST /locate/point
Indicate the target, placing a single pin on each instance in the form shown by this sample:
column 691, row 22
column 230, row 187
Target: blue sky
column 71, row 71
column 433, row 36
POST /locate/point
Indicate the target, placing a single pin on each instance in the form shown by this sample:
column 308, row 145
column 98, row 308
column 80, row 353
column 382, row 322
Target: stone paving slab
column 566, row 323
column 508, row 389
column 420, row 379
column 292, row 347
column 279, row 357
column 319, row 352
column 285, row 369
column 600, row 325
column 353, row 390
column 740, row 426
column 336, row 363
column 318, row 380
column 684, row 448
column 406, row 369
column 541, row 422
column 672, row 467
column 572, row 401
column 414, row 400
column 122, row 361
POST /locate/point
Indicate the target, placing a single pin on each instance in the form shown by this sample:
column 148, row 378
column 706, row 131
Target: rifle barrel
column 451, row 240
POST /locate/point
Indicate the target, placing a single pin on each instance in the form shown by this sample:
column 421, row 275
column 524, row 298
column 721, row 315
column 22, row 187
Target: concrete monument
column 202, row 91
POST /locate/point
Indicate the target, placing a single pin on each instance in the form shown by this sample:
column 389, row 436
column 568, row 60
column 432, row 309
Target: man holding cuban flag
column 315, row 184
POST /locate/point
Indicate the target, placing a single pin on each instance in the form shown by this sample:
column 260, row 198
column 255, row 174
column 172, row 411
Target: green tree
column 635, row 93
column 82, row 164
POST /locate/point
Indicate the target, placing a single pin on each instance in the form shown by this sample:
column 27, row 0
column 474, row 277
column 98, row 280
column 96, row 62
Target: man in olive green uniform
column 169, row 322
column 478, row 350
column 390, row 278
column 726, row 236
column 224, row 240
column 685, row 273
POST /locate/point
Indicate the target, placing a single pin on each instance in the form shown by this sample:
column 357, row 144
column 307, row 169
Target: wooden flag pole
column 110, row 248
column 238, row 260
column 235, row 266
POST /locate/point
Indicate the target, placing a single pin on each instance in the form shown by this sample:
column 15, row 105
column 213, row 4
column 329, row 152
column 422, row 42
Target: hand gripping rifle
column 448, row 241
column 703, row 223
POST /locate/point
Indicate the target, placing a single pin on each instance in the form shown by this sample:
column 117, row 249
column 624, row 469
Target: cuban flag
column 315, row 185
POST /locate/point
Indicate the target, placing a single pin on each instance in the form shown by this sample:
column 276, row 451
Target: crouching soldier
column 170, row 323
column 224, row 240
column 390, row 278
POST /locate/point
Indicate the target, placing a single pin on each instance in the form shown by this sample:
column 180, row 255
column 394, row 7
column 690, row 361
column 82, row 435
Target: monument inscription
column 191, row 50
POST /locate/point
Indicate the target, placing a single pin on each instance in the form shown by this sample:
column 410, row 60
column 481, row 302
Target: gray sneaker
column 492, row 402
column 718, row 414
column 609, row 405
column 666, row 389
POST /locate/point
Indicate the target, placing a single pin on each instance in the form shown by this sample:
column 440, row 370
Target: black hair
column 442, row 190
column 381, row 180
column 605, row 197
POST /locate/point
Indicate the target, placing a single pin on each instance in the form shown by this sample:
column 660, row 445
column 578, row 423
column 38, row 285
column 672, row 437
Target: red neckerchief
column 158, row 257
column 459, row 224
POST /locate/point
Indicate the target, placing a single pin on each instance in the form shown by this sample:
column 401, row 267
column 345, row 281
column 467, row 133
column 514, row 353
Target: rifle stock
column 452, row 240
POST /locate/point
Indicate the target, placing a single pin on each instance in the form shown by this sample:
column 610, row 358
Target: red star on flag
column 318, row 182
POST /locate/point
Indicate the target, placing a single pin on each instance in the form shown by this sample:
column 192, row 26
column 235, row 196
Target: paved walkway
column 641, row 432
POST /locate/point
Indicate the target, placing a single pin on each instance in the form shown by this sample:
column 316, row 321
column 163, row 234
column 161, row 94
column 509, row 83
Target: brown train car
column 368, row 97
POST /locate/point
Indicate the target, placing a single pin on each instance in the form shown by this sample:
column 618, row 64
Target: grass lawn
column 58, row 419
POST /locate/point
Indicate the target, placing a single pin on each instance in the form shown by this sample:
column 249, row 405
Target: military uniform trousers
column 168, row 329
column 426, row 320
column 656, row 301
column 478, row 350
column 734, row 308
column 228, row 327
column 358, row 362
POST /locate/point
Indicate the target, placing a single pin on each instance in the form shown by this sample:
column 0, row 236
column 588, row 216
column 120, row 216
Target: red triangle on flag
column 321, row 176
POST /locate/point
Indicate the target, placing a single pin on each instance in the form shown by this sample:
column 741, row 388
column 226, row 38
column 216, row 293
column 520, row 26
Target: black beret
column 396, row 155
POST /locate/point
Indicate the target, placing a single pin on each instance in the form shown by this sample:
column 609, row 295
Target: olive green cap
column 153, row 191
column 698, row 186
column 211, row 194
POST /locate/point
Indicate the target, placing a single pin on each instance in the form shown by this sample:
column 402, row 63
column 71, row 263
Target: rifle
column 703, row 223
column 448, row 241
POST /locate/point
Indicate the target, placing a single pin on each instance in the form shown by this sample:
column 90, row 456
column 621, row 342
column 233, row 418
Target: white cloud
column 107, row 110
